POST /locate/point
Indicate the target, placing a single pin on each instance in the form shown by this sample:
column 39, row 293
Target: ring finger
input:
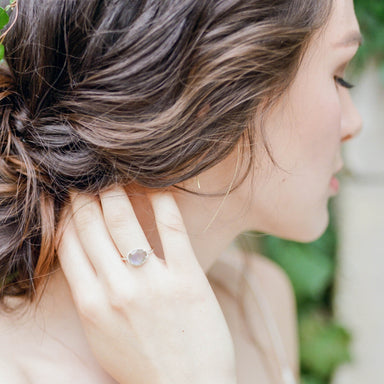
column 125, row 229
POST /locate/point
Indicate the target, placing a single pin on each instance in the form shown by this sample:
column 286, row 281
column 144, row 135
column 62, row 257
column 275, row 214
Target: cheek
column 326, row 138
column 319, row 126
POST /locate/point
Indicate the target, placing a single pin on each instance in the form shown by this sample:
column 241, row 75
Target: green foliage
column 324, row 344
column 309, row 266
column 4, row 20
column 370, row 14
column 2, row 51
column 308, row 379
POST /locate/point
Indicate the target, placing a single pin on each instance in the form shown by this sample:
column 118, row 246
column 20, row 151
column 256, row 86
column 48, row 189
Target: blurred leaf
column 308, row 267
column 324, row 345
column 370, row 14
column 308, row 379
column 4, row 18
column 2, row 51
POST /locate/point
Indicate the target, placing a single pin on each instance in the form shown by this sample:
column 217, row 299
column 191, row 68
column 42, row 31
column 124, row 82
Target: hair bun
column 20, row 121
column 22, row 200
column 14, row 115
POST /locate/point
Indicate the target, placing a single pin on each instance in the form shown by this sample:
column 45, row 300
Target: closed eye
column 343, row 83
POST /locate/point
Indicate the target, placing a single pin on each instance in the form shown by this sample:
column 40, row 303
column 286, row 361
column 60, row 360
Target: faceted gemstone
column 137, row 257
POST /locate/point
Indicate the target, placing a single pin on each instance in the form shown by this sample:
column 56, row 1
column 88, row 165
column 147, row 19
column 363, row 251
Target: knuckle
column 120, row 299
column 174, row 222
column 116, row 219
column 83, row 217
column 89, row 307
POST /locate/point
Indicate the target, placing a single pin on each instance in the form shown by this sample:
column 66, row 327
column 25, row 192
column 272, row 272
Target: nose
column 351, row 124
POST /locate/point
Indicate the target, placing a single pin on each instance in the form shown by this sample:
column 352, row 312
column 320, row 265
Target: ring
column 137, row 257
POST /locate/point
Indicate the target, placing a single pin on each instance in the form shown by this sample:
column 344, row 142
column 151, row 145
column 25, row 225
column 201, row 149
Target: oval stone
column 137, row 257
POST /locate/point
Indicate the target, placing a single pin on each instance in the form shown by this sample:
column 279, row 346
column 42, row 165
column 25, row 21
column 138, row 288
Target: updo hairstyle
column 151, row 92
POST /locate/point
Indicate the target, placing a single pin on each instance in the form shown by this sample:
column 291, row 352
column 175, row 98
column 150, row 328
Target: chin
column 307, row 231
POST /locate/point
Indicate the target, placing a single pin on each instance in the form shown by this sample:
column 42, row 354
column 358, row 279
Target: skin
column 305, row 130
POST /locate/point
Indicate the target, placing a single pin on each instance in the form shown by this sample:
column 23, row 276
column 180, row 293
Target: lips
column 334, row 183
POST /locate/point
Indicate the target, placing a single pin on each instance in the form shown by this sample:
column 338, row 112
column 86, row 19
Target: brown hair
column 99, row 92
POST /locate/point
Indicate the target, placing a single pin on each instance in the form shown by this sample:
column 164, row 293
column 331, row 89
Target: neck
column 212, row 223
column 211, row 229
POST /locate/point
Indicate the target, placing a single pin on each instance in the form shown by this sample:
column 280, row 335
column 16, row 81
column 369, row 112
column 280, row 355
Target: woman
column 138, row 140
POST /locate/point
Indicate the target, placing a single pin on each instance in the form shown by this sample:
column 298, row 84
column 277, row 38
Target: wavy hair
column 151, row 92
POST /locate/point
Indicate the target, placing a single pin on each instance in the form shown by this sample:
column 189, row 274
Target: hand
column 159, row 323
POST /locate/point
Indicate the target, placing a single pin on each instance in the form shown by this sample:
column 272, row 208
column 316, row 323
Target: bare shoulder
column 272, row 283
column 276, row 287
column 11, row 374
column 273, row 280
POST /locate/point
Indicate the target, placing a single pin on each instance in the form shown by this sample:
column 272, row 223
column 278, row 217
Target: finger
column 95, row 239
column 173, row 234
column 76, row 267
column 123, row 225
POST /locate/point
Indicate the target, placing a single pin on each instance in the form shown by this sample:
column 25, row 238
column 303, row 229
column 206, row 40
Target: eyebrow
column 352, row 38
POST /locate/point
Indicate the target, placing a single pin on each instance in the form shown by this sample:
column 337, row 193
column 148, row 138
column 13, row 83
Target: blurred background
column 339, row 279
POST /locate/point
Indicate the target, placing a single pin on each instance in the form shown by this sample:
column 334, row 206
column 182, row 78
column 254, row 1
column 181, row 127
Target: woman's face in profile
column 304, row 130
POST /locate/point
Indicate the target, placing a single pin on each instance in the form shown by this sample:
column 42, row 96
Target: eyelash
column 343, row 83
